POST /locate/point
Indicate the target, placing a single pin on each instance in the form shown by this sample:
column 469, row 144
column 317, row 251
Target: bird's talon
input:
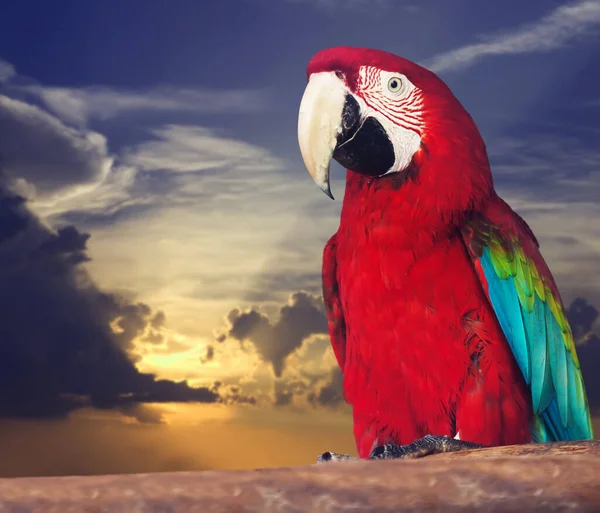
column 329, row 456
column 325, row 457
column 429, row 444
column 378, row 452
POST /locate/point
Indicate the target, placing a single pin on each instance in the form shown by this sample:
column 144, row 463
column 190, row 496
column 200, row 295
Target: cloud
column 284, row 393
column 142, row 413
column 180, row 166
column 188, row 148
column 551, row 166
column 180, row 191
column 106, row 198
column 79, row 105
column 63, row 169
column 584, row 320
column 7, row 71
column 269, row 286
column 132, row 321
column 312, row 378
column 305, row 374
column 589, row 356
column 40, row 150
column 275, row 341
column 51, row 158
column 67, row 242
column 233, row 394
column 558, row 28
column 214, row 203
column 209, row 356
column 331, row 393
column 550, row 176
column 58, row 349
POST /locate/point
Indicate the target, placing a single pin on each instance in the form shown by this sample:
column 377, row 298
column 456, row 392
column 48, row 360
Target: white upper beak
column 320, row 123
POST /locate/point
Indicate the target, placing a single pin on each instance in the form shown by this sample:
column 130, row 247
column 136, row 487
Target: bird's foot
column 328, row 457
column 429, row 444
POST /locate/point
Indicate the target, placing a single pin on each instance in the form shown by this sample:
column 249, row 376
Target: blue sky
column 155, row 145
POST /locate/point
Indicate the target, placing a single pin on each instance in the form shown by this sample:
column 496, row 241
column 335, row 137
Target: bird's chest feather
column 404, row 307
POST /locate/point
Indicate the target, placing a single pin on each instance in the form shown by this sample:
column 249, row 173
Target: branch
column 529, row 478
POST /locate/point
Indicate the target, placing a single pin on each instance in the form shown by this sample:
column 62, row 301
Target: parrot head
column 380, row 115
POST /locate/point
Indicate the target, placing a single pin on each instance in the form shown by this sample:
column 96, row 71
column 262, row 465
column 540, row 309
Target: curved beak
column 320, row 125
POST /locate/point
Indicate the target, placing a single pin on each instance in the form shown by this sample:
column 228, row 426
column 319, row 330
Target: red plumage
column 406, row 308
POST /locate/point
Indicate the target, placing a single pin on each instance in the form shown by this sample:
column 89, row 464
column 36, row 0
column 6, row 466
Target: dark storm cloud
column 143, row 413
column 154, row 337
column 67, row 241
column 152, row 390
column 329, row 394
column 582, row 316
column 13, row 221
column 285, row 390
column 232, row 394
column 589, row 356
column 209, row 355
column 131, row 321
column 44, row 151
column 153, row 324
column 270, row 286
column 283, row 397
column 302, row 317
column 57, row 349
column 319, row 390
column 158, row 320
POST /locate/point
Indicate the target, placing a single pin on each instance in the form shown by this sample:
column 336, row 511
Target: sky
column 161, row 241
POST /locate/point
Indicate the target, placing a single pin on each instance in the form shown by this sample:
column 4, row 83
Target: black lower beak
column 363, row 146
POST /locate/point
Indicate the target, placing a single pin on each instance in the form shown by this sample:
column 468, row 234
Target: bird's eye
column 395, row 84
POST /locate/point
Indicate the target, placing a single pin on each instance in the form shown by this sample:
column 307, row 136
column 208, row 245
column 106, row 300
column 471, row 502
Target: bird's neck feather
column 427, row 202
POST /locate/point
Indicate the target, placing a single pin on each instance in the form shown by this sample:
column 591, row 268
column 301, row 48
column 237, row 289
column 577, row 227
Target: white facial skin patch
column 396, row 104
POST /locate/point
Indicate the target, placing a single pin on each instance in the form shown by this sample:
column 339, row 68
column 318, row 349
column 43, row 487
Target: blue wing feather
column 542, row 388
column 558, row 365
column 541, row 348
column 506, row 306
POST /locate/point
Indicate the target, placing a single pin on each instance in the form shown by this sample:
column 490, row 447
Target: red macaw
column 444, row 318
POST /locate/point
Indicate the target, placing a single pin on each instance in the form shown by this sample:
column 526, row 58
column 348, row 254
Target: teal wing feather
column 529, row 309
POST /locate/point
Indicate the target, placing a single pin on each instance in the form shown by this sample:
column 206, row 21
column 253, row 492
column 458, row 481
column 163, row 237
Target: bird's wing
column 526, row 301
column 333, row 305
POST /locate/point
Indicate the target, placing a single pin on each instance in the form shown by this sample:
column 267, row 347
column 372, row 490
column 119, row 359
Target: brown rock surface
column 520, row 479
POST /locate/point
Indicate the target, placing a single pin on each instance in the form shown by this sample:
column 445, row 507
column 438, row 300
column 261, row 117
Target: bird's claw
column 429, row 444
column 328, row 457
